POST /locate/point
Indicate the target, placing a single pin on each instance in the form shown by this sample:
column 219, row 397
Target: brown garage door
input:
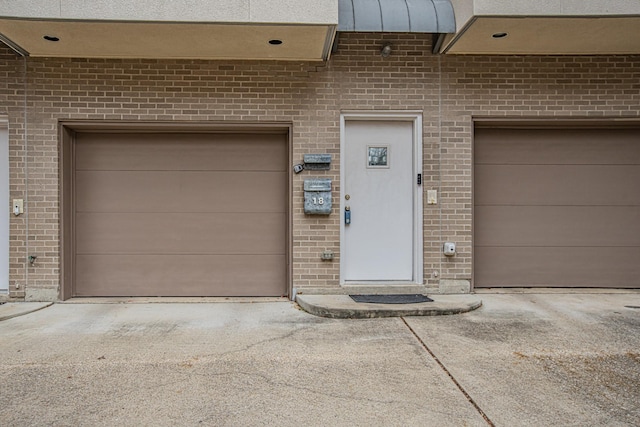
column 558, row 208
column 180, row 214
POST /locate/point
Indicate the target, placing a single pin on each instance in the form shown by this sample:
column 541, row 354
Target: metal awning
column 413, row 16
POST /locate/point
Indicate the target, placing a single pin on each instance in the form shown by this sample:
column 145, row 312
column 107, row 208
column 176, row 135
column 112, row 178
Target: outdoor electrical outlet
column 327, row 255
column 449, row 249
column 18, row 206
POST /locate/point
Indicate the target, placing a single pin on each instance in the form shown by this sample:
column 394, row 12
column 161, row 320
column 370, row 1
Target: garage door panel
column 556, row 185
column 572, row 267
column 612, row 226
column 180, row 214
column 557, row 207
column 557, row 146
column 240, row 152
column 191, row 233
column 186, row 275
column 162, row 191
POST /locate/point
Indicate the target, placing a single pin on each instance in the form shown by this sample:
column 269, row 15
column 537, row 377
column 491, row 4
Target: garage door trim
column 556, row 122
column 67, row 132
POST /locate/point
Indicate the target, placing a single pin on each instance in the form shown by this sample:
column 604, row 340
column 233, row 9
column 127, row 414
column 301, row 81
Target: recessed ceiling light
column 499, row 35
column 275, row 42
column 51, row 38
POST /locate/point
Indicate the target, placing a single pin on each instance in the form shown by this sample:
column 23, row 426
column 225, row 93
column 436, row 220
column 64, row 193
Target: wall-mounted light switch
column 18, row 207
column 432, row 197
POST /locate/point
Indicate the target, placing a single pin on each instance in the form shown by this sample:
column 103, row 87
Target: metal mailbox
column 317, row 196
column 317, row 162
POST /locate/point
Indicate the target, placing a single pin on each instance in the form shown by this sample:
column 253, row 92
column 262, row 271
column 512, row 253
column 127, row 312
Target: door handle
column 347, row 215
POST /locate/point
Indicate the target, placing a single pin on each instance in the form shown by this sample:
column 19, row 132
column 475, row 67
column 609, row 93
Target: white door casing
column 4, row 213
column 380, row 161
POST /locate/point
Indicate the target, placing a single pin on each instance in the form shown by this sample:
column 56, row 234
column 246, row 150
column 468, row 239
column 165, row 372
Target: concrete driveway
column 521, row 359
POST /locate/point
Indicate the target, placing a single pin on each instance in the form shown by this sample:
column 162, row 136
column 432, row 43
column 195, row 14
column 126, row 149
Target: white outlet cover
column 432, row 197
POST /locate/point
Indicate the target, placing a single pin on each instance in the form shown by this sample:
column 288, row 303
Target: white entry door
column 378, row 202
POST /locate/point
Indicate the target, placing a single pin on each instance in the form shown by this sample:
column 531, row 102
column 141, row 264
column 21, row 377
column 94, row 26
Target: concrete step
column 343, row 307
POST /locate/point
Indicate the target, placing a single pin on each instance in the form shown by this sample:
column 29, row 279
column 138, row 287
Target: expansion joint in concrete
column 449, row 374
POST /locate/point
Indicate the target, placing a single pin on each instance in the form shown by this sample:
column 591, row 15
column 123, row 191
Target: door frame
column 415, row 117
column 66, row 138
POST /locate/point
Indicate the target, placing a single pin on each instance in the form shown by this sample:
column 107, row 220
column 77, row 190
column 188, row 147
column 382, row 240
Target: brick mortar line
column 458, row 385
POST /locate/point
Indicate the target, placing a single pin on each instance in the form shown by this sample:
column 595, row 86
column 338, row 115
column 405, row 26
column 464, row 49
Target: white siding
column 241, row 11
column 555, row 7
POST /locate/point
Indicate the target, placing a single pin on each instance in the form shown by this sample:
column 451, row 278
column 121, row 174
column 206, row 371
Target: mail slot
column 317, row 162
column 317, row 196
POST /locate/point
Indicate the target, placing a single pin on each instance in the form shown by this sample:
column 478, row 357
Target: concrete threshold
column 343, row 307
column 171, row 300
column 559, row 291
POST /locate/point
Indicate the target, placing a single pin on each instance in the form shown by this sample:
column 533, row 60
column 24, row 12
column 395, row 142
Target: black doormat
column 392, row 299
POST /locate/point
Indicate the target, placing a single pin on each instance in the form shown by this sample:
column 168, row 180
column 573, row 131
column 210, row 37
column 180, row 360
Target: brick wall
column 518, row 86
column 12, row 106
column 36, row 92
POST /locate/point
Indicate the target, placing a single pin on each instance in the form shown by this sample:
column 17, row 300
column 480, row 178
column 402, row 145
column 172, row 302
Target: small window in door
column 377, row 156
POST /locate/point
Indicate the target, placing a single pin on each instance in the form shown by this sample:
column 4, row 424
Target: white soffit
column 547, row 35
column 126, row 39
